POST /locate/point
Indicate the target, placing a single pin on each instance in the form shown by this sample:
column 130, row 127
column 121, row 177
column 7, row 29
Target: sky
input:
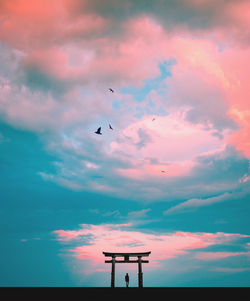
column 172, row 176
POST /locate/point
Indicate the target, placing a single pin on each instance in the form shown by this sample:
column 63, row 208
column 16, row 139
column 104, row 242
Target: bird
column 98, row 131
column 163, row 171
column 110, row 127
column 153, row 119
column 111, row 90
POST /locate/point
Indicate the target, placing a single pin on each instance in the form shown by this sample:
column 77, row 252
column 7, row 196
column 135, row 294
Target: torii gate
column 126, row 260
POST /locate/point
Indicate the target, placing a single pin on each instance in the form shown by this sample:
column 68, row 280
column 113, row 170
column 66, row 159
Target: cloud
column 135, row 215
column 35, row 109
column 230, row 270
column 123, row 238
column 55, row 76
column 195, row 14
column 194, row 203
column 134, row 176
column 39, row 26
column 165, row 137
column 218, row 255
column 138, row 217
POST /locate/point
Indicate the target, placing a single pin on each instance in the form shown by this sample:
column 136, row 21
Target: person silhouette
column 127, row 279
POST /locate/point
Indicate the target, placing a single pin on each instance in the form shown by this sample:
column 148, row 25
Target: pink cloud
column 61, row 46
column 114, row 238
column 66, row 235
column 43, row 23
column 239, row 14
column 52, row 61
column 208, row 86
column 214, row 80
column 230, row 68
column 164, row 140
column 127, row 61
column 147, row 171
column 36, row 110
column 235, row 64
column 244, row 179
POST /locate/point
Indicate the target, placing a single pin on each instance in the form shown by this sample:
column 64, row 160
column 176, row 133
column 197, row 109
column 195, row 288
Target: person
column 127, row 279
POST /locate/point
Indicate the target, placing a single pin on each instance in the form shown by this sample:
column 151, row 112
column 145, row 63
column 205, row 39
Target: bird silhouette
column 111, row 90
column 153, row 119
column 110, row 127
column 98, row 131
column 163, row 171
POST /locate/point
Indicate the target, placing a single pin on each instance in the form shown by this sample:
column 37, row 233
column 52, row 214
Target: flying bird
column 98, row 131
column 110, row 127
column 111, row 90
column 153, row 119
column 163, row 171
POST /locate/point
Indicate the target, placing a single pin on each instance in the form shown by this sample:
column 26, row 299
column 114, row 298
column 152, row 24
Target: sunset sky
column 172, row 177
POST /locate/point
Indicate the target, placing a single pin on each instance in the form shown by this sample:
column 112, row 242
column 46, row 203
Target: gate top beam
column 109, row 254
column 127, row 261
